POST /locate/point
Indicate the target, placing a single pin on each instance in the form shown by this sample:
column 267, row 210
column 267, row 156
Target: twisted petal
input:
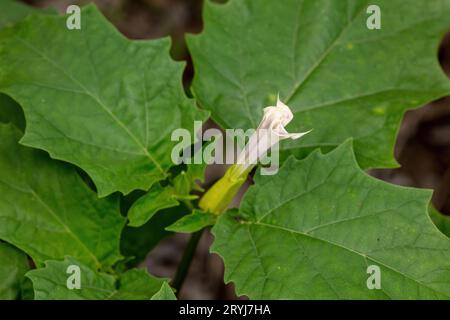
column 269, row 132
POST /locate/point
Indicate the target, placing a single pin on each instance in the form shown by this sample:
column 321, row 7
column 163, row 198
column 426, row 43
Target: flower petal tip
column 295, row 136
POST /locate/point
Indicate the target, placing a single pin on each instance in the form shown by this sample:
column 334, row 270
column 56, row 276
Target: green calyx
column 220, row 195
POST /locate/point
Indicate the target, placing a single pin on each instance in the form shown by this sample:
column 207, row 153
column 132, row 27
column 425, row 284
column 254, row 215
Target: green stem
column 186, row 260
column 215, row 200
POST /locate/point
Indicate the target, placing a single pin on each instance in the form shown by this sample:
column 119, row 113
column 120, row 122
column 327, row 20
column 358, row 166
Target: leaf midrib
column 314, row 67
column 66, row 227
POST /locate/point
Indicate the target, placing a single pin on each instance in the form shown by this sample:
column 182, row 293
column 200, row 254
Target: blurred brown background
column 423, row 143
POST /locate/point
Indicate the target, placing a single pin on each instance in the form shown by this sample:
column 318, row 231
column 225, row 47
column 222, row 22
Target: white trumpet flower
column 270, row 131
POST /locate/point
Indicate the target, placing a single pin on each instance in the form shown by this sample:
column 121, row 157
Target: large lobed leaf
column 311, row 231
column 96, row 99
column 340, row 78
column 47, row 211
column 50, row 283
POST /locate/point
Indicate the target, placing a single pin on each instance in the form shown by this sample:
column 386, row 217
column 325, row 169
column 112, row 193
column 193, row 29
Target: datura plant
column 88, row 185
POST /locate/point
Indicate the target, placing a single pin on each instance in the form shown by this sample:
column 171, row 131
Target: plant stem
column 215, row 200
column 186, row 260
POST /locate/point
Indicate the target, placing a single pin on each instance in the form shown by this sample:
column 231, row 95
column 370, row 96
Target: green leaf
column 165, row 293
column 197, row 171
column 312, row 230
column 340, row 78
column 194, row 174
column 47, row 211
column 137, row 284
column 50, row 282
column 13, row 266
column 124, row 98
column 189, row 179
column 12, row 11
column 441, row 221
column 182, row 183
column 159, row 198
column 193, row 222
column 137, row 242
column 148, row 205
